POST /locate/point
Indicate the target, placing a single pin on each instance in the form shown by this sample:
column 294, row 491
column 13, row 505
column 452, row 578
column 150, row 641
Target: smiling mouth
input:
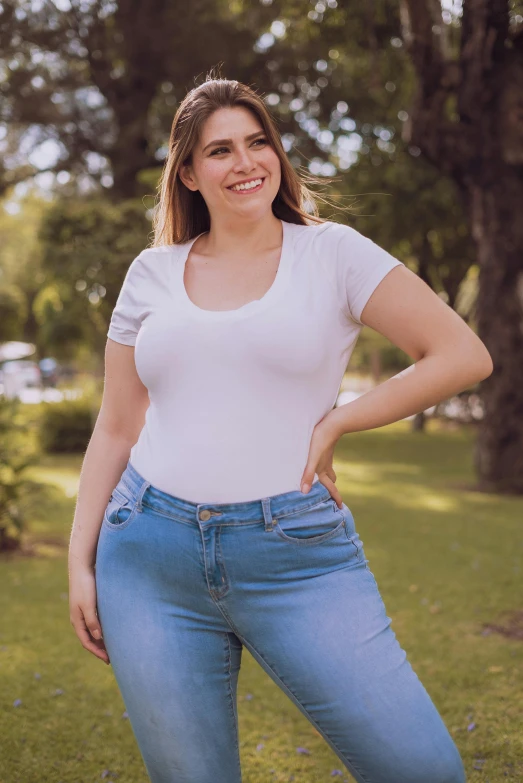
column 244, row 191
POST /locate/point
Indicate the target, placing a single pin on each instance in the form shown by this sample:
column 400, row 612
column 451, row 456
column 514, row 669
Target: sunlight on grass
column 63, row 471
column 448, row 561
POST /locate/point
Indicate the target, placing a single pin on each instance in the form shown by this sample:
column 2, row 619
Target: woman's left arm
column 448, row 356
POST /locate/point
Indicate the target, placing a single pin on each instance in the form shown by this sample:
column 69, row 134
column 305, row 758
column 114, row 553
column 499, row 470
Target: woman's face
column 233, row 148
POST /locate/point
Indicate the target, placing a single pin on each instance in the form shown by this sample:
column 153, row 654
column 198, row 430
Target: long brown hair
column 181, row 214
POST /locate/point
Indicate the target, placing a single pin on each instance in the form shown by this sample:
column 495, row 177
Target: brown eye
column 224, row 149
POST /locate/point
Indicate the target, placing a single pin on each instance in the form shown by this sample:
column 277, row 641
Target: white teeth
column 248, row 185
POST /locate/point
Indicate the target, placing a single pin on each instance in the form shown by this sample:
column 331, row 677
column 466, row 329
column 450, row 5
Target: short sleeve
column 127, row 315
column 361, row 266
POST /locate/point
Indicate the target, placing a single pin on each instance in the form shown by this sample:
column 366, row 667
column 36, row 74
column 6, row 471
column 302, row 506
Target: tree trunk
column 495, row 209
column 375, row 364
column 467, row 119
column 418, row 422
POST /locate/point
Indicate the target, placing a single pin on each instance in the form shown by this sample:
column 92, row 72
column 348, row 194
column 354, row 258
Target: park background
column 411, row 111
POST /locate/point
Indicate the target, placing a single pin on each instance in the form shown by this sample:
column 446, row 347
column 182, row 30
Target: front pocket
column 316, row 524
column 119, row 511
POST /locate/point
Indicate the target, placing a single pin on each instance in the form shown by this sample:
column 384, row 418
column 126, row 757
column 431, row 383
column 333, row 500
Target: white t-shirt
column 235, row 394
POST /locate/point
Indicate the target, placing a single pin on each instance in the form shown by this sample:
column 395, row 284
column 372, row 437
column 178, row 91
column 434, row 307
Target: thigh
column 175, row 659
column 321, row 631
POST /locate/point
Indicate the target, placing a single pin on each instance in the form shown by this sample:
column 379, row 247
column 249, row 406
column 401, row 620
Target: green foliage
column 20, row 266
column 61, row 331
column 415, row 213
column 341, row 85
column 13, row 307
column 87, row 246
column 18, row 451
column 393, row 359
column 111, row 118
column 66, row 426
column 373, row 347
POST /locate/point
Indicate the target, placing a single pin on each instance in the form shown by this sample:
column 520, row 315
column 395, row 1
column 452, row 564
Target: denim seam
column 231, row 693
column 119, row 495
column 359, row 548
column 350, row 539
column 376, row 586
column 224, row 586
column 246, row 523
column 130, row 487
column 212, row 591
column 301, row 509
column 165, row 514
column 195, row 524
column 352, row 768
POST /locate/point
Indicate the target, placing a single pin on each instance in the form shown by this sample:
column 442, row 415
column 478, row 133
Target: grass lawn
column 448, row 561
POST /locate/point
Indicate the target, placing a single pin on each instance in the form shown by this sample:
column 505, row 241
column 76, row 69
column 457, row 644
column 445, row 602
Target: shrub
column 66, row 426
column 19, row 450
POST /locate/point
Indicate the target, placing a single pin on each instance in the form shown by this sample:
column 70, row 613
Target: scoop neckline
column 255, row 305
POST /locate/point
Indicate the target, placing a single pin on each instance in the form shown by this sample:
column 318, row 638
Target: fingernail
column 305, row 488
column 97, row 634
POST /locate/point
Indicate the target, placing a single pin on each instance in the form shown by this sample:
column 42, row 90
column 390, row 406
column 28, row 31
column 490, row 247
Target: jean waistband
column 142, row 492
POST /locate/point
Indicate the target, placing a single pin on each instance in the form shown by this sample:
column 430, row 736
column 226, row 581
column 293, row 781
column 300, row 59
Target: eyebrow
column 229, row 141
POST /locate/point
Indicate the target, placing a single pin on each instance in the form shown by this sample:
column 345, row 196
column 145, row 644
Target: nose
column 243, row 161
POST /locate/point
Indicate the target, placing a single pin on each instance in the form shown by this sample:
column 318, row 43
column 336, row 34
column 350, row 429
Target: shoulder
column 155, row 255
column 326, row 235
column 348, row 246
column 151, row 264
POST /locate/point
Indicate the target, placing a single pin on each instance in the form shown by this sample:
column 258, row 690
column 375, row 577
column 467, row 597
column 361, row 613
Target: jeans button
column 205, row 515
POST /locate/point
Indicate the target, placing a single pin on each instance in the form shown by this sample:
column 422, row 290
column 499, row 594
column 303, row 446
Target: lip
column 251, row 190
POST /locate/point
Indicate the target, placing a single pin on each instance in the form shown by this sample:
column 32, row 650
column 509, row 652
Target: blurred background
column 412, row 111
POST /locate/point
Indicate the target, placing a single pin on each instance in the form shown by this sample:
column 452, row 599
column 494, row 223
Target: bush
column 66, row 426
column 19, row 450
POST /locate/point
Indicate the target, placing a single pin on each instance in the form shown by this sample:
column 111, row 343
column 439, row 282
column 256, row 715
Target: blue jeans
column 181, row 587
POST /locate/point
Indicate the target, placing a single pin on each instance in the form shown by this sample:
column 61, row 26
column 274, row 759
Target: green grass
column 447, row 560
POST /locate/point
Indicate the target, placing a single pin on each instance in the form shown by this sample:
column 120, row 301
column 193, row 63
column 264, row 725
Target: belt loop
column 266, row 506
column 141, row 493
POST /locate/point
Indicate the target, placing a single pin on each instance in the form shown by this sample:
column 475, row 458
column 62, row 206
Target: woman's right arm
column 118, row 425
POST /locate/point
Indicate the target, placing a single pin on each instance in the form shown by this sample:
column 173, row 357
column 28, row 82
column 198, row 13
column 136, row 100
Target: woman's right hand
column 82, row 610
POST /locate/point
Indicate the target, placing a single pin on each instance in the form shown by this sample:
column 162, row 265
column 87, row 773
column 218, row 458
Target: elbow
column 490, row 367
column 471, row 361
column 483, row 364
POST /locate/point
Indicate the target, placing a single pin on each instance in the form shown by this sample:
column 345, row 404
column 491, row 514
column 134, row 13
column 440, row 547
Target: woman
column 208, row 517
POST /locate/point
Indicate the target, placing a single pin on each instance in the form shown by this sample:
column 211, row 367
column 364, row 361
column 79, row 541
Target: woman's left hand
column 321, row 451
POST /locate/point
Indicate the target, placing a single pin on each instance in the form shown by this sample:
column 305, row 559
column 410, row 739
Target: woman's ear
column 186, row 176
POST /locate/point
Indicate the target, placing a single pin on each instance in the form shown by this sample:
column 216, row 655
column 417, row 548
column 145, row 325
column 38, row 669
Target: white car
column 20, row 374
